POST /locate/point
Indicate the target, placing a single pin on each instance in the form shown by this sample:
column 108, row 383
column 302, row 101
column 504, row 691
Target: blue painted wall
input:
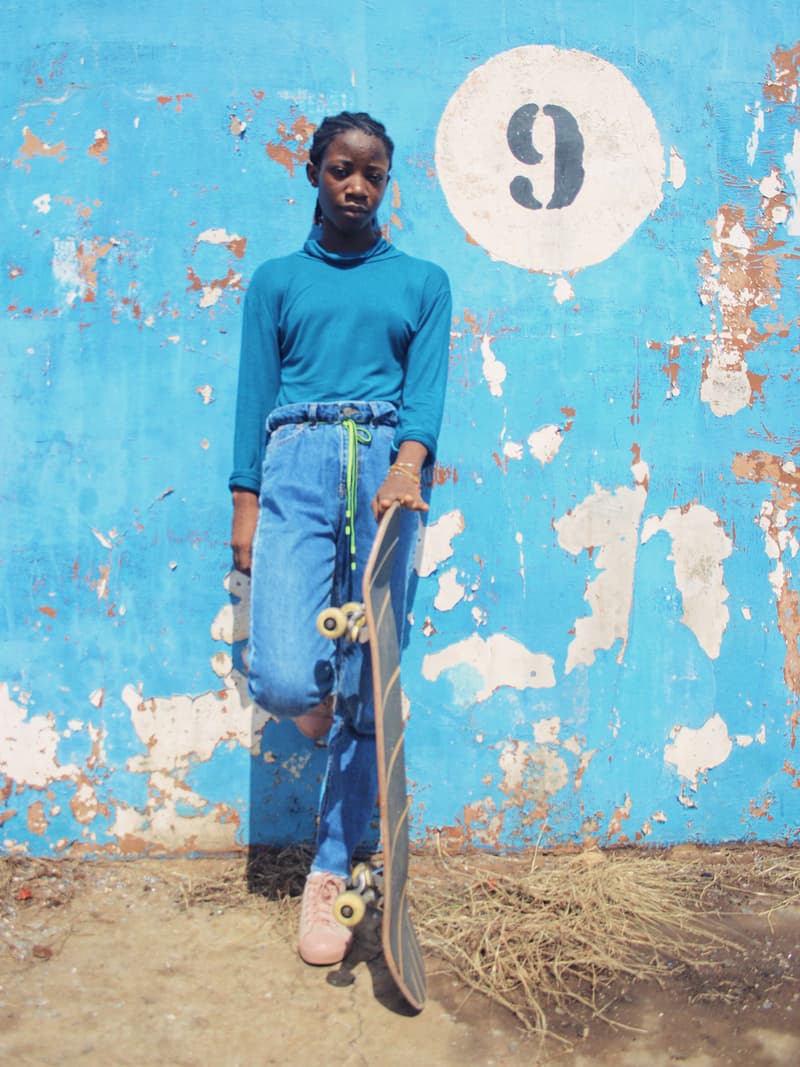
column 605, row 639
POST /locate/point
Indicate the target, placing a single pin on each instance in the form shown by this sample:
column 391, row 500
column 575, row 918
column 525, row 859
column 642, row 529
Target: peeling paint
column 479, row 666
column 699, row 545
column 606, row 524
column 435, row 544
column 695, row 752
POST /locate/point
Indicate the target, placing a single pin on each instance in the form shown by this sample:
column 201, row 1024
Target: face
column 350, row 181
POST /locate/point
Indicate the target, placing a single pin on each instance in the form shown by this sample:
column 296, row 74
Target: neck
column 333, row 240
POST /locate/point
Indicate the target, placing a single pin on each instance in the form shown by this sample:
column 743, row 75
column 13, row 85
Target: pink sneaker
column 323, row 941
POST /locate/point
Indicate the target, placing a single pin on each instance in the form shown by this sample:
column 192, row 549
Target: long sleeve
column 426, row 366
column 259, row 381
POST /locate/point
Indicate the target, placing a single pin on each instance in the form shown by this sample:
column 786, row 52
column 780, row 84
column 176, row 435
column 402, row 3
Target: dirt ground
column 116, row 963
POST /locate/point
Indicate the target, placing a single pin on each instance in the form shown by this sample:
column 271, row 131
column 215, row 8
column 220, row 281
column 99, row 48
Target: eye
column 376, row 179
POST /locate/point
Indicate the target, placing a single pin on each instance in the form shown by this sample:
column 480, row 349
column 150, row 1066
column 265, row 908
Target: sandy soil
column 125, row 963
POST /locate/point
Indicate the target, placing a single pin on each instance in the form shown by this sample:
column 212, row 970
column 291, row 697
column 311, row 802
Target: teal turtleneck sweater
column 326, row 327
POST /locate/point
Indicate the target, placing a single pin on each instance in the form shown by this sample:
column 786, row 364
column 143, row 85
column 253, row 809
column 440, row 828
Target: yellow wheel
column 361, row 876
column 353, row 607
column 332, row 622
column 349, row 908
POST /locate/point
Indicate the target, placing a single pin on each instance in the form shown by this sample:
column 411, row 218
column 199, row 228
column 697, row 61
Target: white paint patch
column 29, row 746
column 562, row 291
column 494, row 372
column 179, row 730
column 758, row 129
column 497, row 660
column 531, row 774
column 548, row 197
column 512, row 450
column 232, row 622
column 217, row 237
column 546, row 731
column 212, row 293
column 699, row 545
column 206, row 392
column 677, row 169
column 165, row 825
column 43, row 203
column 221, row 664
column 694, row 752
column 451, row 591
column 545, row 443
column 66, row 269
column 607, row 523
column 435, row 543
column 792, row 166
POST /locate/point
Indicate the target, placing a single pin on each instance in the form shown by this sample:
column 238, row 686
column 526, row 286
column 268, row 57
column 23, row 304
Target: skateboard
column 373, row 621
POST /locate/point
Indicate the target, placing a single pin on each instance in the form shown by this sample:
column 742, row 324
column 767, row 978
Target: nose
column 357, row 186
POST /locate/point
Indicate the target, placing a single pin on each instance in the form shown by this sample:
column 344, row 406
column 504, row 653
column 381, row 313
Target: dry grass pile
column 567, row 935
column 276, row 875
column 34, row 894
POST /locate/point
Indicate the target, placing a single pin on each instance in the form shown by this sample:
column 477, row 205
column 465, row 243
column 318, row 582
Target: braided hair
column 332, row 125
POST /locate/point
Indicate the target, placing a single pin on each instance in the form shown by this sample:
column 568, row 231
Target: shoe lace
column 318, row 904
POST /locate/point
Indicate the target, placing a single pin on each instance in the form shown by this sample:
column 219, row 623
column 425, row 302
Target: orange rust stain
column 742, row 277
column 763, row 467
column 88, row 256
column 37, row 821
column 99, row 148
column 291, row 150
column 6, row 815
column 761, row 811
column 15, row 271
column 232, row 280
column 781, row 84
column 793, row 772
column 636, row 399
column 439, row 474
column 84, row 804
column 33, row 147
column 178, row 98
column 620, row 815
column 470, row 240
column 50, row 612
column 237, row 246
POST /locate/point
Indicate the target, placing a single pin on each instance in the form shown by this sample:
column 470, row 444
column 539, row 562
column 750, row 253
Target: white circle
column 622, row 158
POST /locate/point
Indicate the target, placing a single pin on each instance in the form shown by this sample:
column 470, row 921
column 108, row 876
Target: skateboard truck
column 348, row 621
column 363, row 891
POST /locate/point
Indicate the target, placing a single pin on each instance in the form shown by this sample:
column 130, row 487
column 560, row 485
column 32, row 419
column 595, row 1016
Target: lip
column 353, row 209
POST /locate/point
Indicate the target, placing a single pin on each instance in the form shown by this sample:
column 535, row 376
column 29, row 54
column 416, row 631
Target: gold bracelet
column 397, row 468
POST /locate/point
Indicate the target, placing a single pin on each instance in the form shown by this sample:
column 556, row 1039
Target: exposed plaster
column 699, row 545
column 606, row 524
column 695, row 752
column 479, row 666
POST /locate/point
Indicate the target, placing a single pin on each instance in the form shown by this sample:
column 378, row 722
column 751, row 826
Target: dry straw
column 542, row 936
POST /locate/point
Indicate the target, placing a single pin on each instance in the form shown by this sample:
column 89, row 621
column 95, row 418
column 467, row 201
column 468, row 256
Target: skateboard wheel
column 332, row 622
column 349, row 908
column 353, row 607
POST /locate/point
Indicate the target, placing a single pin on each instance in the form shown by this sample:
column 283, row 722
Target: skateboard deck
column 374, row 619
column 401, row 948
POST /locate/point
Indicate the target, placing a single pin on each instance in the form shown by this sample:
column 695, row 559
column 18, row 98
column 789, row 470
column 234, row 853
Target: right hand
column 245, row 518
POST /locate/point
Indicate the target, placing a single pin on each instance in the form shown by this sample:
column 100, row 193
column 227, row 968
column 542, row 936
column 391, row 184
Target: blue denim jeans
column 302, row 564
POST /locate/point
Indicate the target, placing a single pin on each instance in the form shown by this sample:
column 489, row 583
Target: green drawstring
column 356, row 435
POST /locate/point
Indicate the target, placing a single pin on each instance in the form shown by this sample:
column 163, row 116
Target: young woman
column 341, row 385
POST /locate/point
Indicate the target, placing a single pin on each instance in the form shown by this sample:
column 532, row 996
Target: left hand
column 400, row 488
